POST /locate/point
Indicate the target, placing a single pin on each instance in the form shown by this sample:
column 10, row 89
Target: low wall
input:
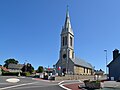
column 77, row 77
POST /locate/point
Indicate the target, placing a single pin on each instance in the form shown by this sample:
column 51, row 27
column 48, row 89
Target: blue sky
column 30, row 30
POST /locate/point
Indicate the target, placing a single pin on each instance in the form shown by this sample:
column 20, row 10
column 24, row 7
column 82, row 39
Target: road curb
column 70, row 85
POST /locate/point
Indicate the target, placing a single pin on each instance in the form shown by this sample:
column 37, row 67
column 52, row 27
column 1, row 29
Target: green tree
column 8, row 61
column 28, row 68
column 40, row 69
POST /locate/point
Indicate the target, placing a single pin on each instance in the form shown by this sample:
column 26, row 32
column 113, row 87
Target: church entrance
column 64, row 71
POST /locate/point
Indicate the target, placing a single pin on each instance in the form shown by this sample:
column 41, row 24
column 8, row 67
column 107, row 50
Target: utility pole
column 25, row 65
column 106, row 60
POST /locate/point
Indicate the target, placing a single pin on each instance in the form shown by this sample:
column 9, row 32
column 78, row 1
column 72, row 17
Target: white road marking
column 31, row 87
column 62, row 86
column 17, row 86
column 12, row 80
column 60, row 82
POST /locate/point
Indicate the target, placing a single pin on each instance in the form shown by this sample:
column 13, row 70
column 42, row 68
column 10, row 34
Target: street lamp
column 106, row 59
column 25, row 65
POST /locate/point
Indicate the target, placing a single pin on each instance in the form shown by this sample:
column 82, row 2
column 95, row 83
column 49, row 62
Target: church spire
column 67, row 12
column 67, row 20
column 67, row 26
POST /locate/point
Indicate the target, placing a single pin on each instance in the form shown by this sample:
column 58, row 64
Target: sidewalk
column 111, row 85
column 73, row 86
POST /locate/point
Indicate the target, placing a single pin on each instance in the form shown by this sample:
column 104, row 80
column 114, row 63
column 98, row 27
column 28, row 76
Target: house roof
column 98, row 72
column 4, row 68
column 113, row 60
column 15, row 66
column 81, row 62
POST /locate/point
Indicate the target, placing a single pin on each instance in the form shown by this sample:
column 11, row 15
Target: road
column 27, row 83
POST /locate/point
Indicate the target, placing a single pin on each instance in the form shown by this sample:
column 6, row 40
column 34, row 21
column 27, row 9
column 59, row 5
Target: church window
column 87, row 70
column 84, row 70
column 64, row 56
column 65, row 40
column 71, row 41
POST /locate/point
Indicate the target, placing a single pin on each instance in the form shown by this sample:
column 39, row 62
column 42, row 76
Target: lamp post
column 106, row 59
column 25, row 65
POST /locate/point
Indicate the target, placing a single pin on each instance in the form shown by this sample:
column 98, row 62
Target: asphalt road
column 27, row 83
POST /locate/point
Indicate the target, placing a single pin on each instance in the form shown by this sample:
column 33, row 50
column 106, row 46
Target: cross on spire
column 67, row 12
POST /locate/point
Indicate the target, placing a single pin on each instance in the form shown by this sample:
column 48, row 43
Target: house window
column 71, row 41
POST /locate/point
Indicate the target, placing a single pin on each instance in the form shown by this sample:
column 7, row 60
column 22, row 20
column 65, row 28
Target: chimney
column 115, row 53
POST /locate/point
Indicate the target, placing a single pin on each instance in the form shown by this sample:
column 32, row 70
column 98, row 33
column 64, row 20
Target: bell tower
column 67, row 42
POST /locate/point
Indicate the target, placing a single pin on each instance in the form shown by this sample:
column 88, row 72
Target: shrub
column 10, row 73
column 86, row 81
column 27, row 73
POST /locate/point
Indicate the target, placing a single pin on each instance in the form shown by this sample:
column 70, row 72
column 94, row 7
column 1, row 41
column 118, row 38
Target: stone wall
column 82, row 70
column 78, row 77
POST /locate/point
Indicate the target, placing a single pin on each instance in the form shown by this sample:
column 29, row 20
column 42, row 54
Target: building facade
column 67, row 62
column 114, row 65
column 15, row 67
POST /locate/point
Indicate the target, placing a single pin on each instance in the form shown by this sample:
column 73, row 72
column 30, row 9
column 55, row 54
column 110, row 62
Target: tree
column 8, row 61
column 40, row 69
column 28, row 68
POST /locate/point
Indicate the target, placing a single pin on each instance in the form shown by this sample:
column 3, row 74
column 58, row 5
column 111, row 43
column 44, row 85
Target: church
column 68, row 63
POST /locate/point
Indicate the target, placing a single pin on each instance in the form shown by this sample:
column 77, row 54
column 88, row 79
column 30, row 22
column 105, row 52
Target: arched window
column 65, row 40
column 71, row 41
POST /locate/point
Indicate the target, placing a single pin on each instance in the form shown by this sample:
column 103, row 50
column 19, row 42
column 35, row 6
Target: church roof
column 81, row 62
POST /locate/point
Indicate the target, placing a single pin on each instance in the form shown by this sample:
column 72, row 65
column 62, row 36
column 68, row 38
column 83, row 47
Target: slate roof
column 67, row 26
column 15, row 66
column 81, row 62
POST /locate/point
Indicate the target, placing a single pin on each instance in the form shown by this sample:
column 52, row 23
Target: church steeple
column 67, row 39
column 67, row 20
column 67, row 26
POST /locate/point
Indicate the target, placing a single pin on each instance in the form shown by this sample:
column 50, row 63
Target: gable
column 116, row 60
